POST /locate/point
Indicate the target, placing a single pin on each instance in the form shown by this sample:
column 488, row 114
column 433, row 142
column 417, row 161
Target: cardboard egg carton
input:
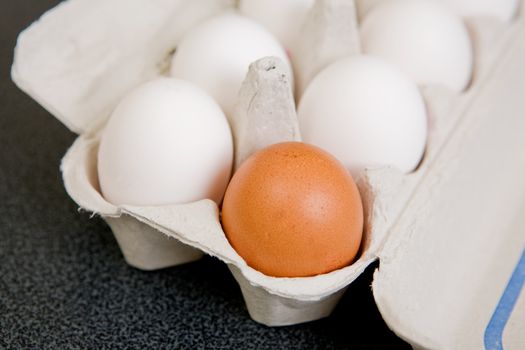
column 80, row 58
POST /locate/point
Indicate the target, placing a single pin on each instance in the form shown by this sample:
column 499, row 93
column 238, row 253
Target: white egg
column 366, row 113
column 216, row 55
column 502, row 9
column 424, row 38
column 283, row 18
column 167, row 142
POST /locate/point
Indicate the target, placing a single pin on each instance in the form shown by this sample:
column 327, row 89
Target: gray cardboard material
column 81, row 92
column 330, row 32
column 265, row 113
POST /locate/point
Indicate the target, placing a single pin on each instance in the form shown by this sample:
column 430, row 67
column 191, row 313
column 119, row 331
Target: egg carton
column 80, row 58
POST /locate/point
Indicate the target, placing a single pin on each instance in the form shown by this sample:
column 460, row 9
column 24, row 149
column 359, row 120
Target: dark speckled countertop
column 65, row 285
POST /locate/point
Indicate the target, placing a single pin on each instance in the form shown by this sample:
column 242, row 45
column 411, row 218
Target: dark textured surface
column 64, row 283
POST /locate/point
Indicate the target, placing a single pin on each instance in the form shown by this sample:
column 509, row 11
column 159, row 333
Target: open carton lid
column 449, row 257
column 445, row 235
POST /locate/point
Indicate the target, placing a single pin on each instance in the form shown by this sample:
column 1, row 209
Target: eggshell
column 429, row 42
column 365, row 112
column 216, row 55
column 292, row 210
column 501, row 9
column 283, row 18
column 167, row 142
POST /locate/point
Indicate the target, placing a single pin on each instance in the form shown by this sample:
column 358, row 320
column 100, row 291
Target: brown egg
column 292, row 210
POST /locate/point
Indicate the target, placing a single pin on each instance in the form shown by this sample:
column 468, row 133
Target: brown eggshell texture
column 292, row 210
